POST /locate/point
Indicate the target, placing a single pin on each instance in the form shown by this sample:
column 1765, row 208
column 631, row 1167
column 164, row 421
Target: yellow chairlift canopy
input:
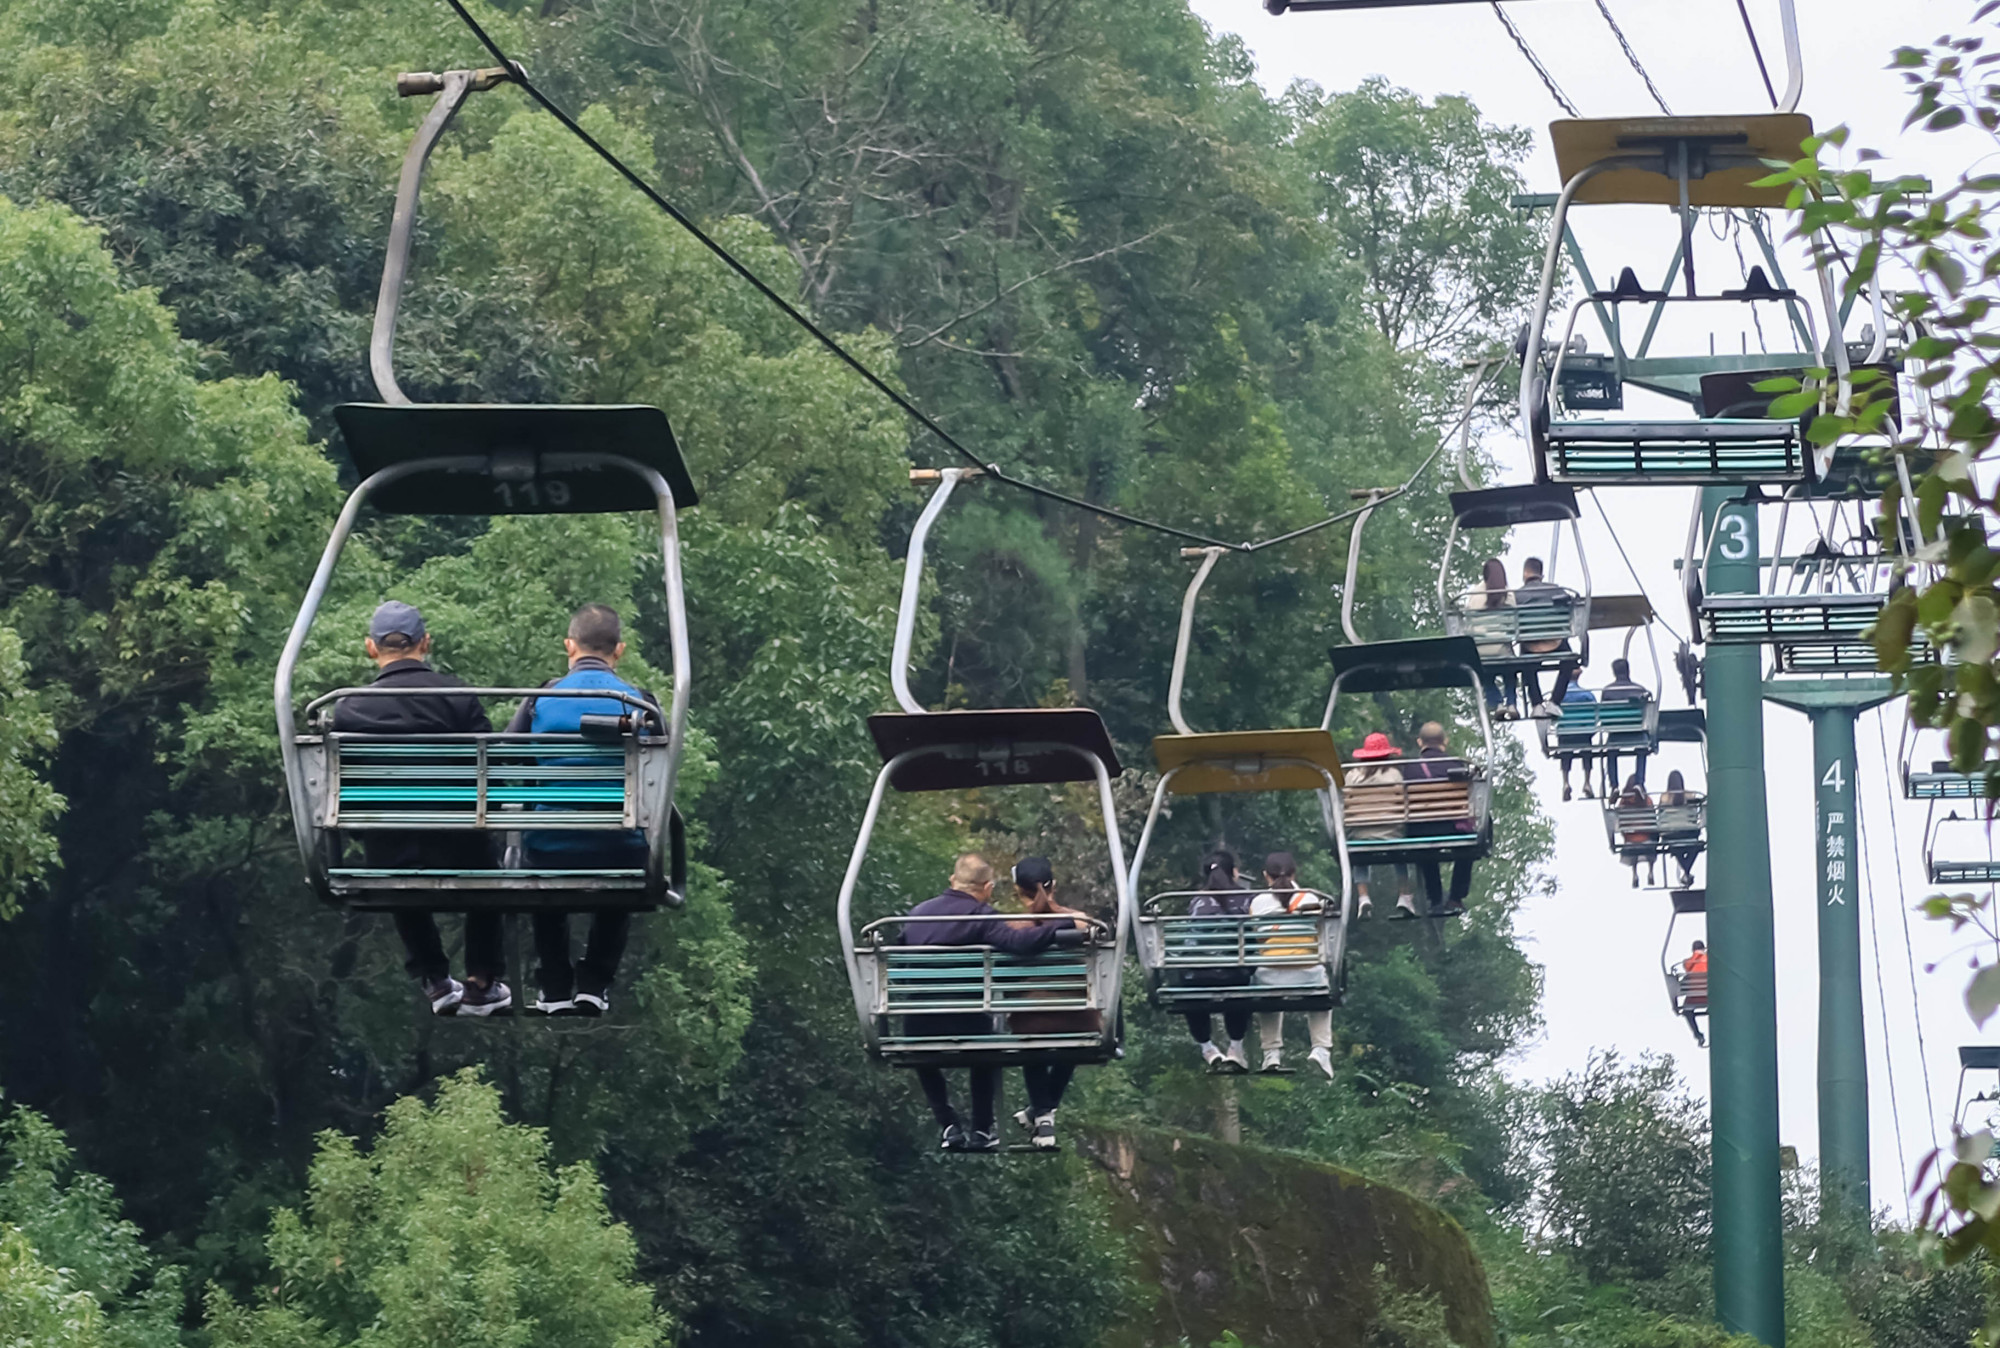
column 1249, row 760
column 1773, row 136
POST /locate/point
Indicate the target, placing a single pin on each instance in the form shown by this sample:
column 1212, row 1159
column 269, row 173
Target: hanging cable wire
column 1633, row 57
column 1633, row 570
column 882, row 386
column 1903, row 908
column 1882, row 1001
column 791, row 311
column 1757, row 51
column 1548, row 80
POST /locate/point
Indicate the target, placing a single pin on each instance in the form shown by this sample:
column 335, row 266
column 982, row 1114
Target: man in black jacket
column 1624, row 688
column 398, row 644
column 981, row 924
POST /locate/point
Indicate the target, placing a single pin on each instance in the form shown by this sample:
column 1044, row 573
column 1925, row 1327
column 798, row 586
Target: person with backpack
column 1283, row 895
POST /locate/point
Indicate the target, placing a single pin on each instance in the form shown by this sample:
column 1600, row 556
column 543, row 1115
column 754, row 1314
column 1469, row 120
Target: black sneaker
column 953, row 1138
column 1044, row 1136
column 494, row 999
column 982, row 1141
column 555, row 1006
column 444, row 995
column 592, row 1003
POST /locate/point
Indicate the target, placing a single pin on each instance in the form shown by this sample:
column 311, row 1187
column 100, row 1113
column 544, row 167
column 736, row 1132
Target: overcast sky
column 1598, row 940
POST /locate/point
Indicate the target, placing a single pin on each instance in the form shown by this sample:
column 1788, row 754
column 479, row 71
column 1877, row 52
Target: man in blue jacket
column 980, row 923
column 595, row 647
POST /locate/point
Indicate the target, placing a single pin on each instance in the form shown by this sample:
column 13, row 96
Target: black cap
column 1280, row 863
column 394, row 618
column 1034, row 872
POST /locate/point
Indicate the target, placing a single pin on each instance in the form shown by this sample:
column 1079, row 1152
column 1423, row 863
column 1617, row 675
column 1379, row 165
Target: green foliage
column 1620, row 1166
column 73, row 1273
column 28, row 805
column 453, row 1229
column 1406, row 1319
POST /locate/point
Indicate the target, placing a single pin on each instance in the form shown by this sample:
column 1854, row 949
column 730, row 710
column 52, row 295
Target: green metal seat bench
column 1720, row 452
column 1592, row 730
column 915, row 982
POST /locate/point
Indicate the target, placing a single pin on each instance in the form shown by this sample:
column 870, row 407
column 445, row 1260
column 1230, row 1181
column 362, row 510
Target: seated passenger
column 1434, row 762
column 1380, row 782
column 1221, row 895
column 1536, row 592
column 1501, row 689
column 1693, row 973
column 1623, row 689
column 594, row 648
column 1635, row 833
column 1282, row 895
column 980, row 924
column 398, row 644
column 1035, row 882
column 1683, row 843
column 1575, row 739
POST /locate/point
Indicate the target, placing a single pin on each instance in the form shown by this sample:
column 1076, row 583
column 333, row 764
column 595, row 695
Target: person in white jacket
column 1282, row 895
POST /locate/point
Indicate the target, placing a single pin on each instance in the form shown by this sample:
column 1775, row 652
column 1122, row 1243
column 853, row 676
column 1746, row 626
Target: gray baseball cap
column 395, row 618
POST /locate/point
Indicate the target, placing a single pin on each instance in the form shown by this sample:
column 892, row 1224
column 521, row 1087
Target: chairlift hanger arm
column 452, row 89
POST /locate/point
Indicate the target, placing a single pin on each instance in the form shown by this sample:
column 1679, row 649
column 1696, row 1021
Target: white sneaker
column 1209, row 1052
column 1406, row 906
column 1365, row 907
column 1273, row 1062
column 1237, row 1055
column 1323, row 1060
column 1025, row 1119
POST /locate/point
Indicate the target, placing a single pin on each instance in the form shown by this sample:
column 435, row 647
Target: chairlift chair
column 1687, row 990
column 1507, row 635
column 1597, row 730
column 1686, row 163
column 1930, row 778
column 617, row 774
column 1959, row 848
column 897, row 985
column 1432, row 820
column 1291, row 961
column 1654, row 832
column 1981, row 1059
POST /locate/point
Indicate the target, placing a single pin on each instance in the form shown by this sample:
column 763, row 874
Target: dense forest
column 1080, row 235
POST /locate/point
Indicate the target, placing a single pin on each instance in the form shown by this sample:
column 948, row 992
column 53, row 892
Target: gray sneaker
column 444, row 995
column 492, row 999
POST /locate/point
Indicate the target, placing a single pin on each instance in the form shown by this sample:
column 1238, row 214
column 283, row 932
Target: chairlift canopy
column 1582, row 142
column 1248, row 760
column 993, row 747
column 540, row 459
column 1504, row 507
column 1389, row 666
column 1620, row 610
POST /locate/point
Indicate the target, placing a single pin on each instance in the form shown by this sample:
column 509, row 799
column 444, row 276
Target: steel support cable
column 1620, row 545
column 882, row 386
column 1882, row 1001
column 1757, row 51
column 792, row 312
column 1633, row 57
column 1548, row 80
column 1903, row 909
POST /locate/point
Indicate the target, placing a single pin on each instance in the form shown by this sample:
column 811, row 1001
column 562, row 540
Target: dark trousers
column 424, row 949
column 985, row 1090
column 605, row 946
column 985, row 1080
column 601, row 953
column 1565, row 676
column 1502, row 688
column 1236, row 1022
column 1611, row 783
column 1461, row 883
column 1694, row 1024
column 1046, row 1086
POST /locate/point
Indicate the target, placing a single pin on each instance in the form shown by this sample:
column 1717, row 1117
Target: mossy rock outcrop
column 1282, row 1250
